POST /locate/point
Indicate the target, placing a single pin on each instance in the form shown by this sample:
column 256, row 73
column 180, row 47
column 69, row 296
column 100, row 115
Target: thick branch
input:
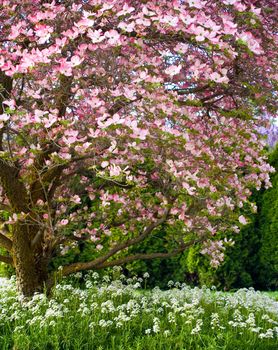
column 6, row 259
column 48, row 149
column 150, row 256
column 39, row 188
column 5, row 242
column 119, row 247
column 63, row 94
column 6, row 84
column 97, row 265
column 14, row 188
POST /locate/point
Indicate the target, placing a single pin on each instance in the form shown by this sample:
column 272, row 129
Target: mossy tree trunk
column 30, row 263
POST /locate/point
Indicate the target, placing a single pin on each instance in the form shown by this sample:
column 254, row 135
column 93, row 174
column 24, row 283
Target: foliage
column 130, row 104
column 160, row 270
column 255, row 251
column 246, row 262
column 268, row 225
column 117, row 314
column 244, row 265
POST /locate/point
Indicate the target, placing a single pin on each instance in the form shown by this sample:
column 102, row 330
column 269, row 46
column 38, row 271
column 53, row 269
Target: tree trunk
column 30, row 264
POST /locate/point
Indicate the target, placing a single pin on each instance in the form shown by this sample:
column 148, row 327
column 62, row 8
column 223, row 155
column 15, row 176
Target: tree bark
column 30, row 265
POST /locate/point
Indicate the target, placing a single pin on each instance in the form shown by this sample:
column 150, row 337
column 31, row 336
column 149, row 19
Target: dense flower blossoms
column 147, row 108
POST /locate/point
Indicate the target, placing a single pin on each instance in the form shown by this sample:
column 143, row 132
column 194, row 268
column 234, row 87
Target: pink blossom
column 114, row 170
column 128, row 27
column 173, row 70
column 104, row 164
column 113, row 37
column 76, row 60
column 65, row 67
column 4, row 117
column 95, row 35
column 64, row 222
column 196, row 3
column 76, row 199
column 242, row 220
column 43, row 32
column 126, row 10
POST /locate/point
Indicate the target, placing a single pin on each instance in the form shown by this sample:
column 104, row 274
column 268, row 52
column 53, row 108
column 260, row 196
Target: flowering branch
column 119, row 247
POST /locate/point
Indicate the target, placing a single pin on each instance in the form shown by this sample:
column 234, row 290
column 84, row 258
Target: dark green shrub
column 268, row 226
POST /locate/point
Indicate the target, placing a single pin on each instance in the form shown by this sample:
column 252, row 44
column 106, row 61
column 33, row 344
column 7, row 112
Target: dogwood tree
column 118, row 116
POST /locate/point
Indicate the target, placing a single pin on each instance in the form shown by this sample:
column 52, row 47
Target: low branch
column 5, row 242
column 118, row 262
column 67, row 270
column 143, row 256
column 6, row 259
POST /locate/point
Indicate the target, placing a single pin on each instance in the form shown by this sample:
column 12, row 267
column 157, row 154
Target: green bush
column 268, row 226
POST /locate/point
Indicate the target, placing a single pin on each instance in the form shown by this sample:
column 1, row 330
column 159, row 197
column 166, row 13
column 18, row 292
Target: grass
column 273, row 295
column 116, row 314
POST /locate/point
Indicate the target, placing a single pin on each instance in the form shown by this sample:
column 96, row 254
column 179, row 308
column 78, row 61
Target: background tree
column 268, row 226
column 149, row 108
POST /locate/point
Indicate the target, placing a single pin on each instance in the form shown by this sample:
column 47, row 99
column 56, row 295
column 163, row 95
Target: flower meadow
column 95, row 312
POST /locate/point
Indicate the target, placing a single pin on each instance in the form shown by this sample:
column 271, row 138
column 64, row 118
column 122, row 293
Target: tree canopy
column 148, row 108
